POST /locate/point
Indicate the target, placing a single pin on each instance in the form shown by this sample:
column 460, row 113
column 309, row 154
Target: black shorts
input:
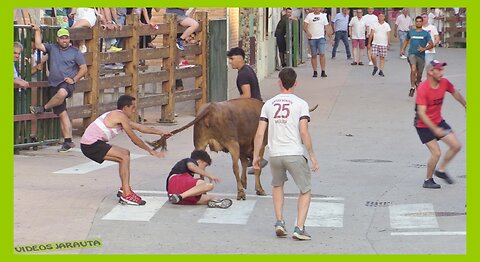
column 426, row 135
column 53, row 90
column 282, row 44
column 96, row 151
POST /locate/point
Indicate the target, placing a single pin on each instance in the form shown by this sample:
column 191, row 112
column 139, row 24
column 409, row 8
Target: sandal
column 354, row 63
column 361, row 63
column 411, row 92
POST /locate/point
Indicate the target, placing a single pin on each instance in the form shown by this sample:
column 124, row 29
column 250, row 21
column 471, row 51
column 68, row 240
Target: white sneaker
column 370, row 63
column 309, row 56
column 403, row 57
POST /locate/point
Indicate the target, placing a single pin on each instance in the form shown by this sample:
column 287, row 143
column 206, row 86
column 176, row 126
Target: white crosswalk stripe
column 137, row 213
column 410, row 216
column 325, row 214
column 238, row 214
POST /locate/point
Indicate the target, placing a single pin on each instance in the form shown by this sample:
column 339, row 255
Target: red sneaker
column 132, row 199
column 185, row 64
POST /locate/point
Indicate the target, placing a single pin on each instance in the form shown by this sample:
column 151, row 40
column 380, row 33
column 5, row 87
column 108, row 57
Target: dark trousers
column 341, row 35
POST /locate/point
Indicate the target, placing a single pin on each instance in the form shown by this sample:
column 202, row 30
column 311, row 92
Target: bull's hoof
column 241, row 196
column 261, row 192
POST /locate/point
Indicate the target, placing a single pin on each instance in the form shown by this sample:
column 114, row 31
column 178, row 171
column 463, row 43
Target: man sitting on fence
column 67, row 65
column 94, row 143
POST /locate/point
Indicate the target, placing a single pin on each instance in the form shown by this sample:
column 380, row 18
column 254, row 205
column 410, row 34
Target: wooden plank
column 81, row 111
column 153, row 100
column 27, row 117
column 149, row 30
column 83, row 86
column 116, row 57
column 169, row 65
column 190, row 50
column 201, row 59
column 91, row 97
column 152, row 77
column 182, row 73
column 81, row 33
column 126, row 31
column 456, row 40
column 152, row 53
column 107, row 107
column 454, row 30
column 188, row 95
column 131, row 67
column 114, row 81
column 88, row 58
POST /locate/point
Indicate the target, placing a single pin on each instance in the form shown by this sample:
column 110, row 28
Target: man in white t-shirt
column 286, row 116
column 439, row 17
column 315, row 26
column 403, row 24
column 380, row 41
column 432, row 30
column 370, row 19
column 357, row 28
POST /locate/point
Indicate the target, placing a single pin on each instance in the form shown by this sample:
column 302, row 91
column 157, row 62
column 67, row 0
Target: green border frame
column 6, row 130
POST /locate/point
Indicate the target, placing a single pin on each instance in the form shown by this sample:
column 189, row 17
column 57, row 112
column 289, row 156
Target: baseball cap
column 437, row 64
column 236, row 51
column 62, row 32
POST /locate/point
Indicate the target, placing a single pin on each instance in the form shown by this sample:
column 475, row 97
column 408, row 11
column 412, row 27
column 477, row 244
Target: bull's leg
column 234, row 150
column 244, row 162
column 258, row 184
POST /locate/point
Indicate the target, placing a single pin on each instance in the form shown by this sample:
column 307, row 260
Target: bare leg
column 434, row 157
column 322, row 62
column 413, row 74
column 277, row 195
column 382, row 63
column 122, row 157
column 302, row 208
column 57, row 99
column 454, row 147
column 200, row 188
column 191, row 24
column 314, row 62
column 65, row 124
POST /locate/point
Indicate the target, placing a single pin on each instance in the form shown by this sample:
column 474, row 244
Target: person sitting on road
column 184, row 189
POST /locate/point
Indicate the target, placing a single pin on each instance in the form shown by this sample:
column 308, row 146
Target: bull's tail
column 162, row 142
column 313, row 109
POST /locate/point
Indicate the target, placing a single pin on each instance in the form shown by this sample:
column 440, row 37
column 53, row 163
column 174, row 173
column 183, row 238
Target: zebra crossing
column 323, row 213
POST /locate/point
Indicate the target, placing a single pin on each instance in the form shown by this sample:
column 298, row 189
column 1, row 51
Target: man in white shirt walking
column 370, row 19
column 286, row 116
column 357, row 29
column 380, row 41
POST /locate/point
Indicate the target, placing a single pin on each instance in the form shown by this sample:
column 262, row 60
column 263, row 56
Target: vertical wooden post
column 131, row 67
column 91, row 97
column 201, row 81
column 169, row 66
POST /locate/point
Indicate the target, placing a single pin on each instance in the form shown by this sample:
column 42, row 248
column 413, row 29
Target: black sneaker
column 66, row 147
column 179, row 44
column 411, row 92
column 323, row 74
column 380, row 73
column 444, row 176
column 37, row 109
column 315, row 74
column 174, row 198
column 220, row 203
column 375, row 69
column 429, row 183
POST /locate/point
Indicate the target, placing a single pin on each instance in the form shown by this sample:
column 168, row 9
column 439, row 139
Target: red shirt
column 433, row 99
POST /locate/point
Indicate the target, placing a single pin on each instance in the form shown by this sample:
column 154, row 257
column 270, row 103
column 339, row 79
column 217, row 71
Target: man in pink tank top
column 94, row 143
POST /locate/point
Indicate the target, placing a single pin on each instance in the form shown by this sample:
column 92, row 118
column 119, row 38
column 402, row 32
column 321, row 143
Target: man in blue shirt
column 420, row 41
column 340, row 27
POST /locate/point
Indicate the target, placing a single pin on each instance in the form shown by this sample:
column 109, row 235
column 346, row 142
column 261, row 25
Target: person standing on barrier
column 285, row 117
column 94, row 143
column 17, row 51
column 67, row 66
column 430, row 124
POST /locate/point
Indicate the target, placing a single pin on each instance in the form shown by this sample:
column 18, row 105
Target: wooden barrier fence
column 127, row 81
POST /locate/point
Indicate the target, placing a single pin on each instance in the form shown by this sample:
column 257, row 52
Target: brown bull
column 230, row 127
